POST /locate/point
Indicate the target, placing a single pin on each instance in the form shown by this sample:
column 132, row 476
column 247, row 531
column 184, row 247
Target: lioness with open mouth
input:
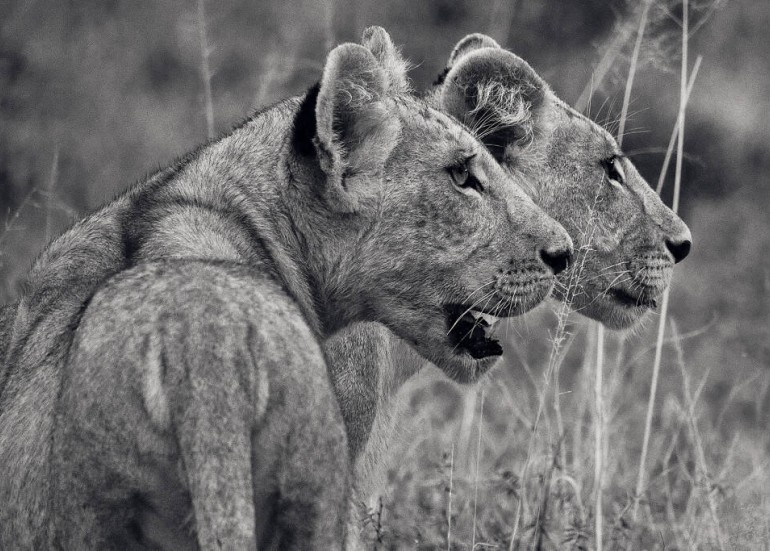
column 165, row 386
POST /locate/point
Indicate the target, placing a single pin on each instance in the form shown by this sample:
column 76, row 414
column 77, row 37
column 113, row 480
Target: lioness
column 574, row 169
column 188, row 391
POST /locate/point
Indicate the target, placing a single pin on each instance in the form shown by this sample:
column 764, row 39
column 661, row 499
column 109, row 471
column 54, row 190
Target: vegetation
column 582, row 439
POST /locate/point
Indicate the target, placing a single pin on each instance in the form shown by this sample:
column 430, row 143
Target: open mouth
column 629, row 300
column 467, row 331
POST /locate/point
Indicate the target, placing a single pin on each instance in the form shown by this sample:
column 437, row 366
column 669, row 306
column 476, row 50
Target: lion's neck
column 261, row 209
column 326, row 265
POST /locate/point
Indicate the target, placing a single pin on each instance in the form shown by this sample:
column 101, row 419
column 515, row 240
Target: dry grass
column 205, row 69
column 573, row 443
column 701, row 491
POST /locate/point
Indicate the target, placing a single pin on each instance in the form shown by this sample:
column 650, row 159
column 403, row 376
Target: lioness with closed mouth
column 164, row 382
column 572, row 168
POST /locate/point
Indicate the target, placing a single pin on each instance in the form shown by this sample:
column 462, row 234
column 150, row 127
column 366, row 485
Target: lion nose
column 557, row 259
column 680, row 248
column 678, row 240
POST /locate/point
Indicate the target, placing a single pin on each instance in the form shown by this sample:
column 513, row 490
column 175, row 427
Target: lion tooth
column 489, row 319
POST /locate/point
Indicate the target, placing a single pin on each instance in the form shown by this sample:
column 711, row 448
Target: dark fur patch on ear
column 442, row 77
column 305, row 123
column 498, row 140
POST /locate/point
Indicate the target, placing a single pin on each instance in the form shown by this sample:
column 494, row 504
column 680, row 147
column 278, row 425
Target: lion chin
column 464, row 369
column 619, row 309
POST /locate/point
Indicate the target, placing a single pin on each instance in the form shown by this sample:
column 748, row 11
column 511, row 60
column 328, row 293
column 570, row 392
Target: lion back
column 175, row 365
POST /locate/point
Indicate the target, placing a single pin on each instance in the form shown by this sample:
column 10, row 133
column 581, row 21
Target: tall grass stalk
column 578, row 454
column 540, row 529
column 449, row 503
column 598, row 436
column 476, row 478
column 640, row 481
column 682, row 106
column 632, row 71
column 502, row 14
column 602, row 68
column 205, row 69
column 53, row 177
column 562, row 340
column 520, row 504
column 271, row 67
column 468, row 401
column 675, row 134
column 599, row 442
column 611, row 52
column 13, row 218
column 328, row 7
column 560, row 343
column 683, row 85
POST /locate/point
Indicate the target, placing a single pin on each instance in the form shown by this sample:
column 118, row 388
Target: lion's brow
column 464, row 155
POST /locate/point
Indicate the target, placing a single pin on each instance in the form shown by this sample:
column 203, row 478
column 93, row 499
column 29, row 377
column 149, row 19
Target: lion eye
column 614, row 169
column 463, row 180
column 459, row 175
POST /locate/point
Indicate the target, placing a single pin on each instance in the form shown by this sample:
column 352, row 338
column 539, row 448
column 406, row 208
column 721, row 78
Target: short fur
column 7, row 314
column 164, row 384
column 192, row 419
column 624, row 234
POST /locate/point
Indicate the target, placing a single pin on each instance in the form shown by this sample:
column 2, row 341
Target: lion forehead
column 422, row 122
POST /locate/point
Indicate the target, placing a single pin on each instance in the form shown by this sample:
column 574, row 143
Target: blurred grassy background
column 94, row 94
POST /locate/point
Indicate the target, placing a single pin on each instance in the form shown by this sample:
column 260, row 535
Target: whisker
column 468, row 310
column 478, row 289
column 601, row 276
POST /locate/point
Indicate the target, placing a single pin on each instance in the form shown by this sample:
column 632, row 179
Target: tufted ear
column 468, row 44
column 495, row 93
column 355, row 132
column 377, row 40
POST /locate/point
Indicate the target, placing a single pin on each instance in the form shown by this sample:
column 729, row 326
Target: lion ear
column 377, row 40
column 468, row 44
column 355, row 132
column 496, row 94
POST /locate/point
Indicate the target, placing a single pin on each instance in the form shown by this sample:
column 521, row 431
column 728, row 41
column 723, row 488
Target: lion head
column 416, row 226
column 628, row 240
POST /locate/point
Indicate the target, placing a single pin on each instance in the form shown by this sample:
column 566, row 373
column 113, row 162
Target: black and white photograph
column 381, row 275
